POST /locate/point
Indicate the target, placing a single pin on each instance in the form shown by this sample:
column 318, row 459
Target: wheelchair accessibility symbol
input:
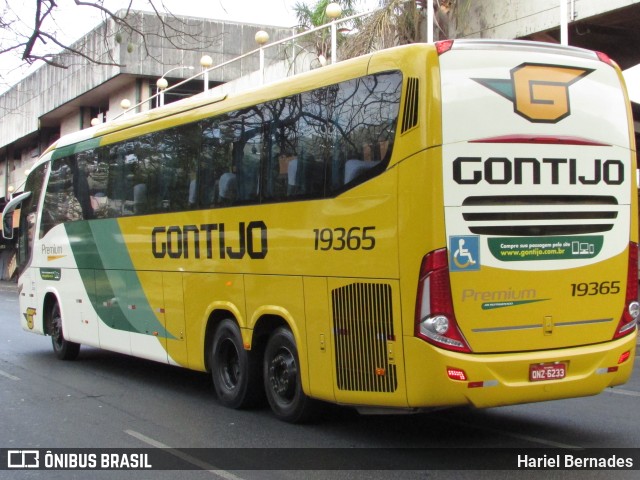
column 464, row 253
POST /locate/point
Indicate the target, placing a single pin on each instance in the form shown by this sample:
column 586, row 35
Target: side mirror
column 7, row 214
column 7, row 227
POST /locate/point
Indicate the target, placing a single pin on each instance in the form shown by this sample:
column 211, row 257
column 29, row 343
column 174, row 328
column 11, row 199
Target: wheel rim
column 229, row 361
column 283, row 373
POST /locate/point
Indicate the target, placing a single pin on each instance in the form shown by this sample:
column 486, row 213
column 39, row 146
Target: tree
column 311, row 16
column 399, row 22
column 39, row 39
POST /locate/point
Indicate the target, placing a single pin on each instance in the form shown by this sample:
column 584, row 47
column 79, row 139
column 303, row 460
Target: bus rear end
column 534, row 296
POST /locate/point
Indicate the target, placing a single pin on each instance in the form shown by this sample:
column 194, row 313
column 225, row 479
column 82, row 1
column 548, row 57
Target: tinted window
column 305, row 146
column 67, row 197
column 332, row 138
column 28, row 212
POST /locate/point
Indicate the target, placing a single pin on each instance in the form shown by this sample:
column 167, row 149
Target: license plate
column 547, row 371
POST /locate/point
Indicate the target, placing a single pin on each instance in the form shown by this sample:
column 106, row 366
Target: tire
column 281, row 372
column 234, row 370
column 64, row 349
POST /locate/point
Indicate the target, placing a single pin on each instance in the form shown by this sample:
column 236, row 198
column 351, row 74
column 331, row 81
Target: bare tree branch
column 123, row 25
column 40, row 17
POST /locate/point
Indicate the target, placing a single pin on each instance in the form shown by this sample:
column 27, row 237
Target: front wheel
column 64, row 349
column 281, row 371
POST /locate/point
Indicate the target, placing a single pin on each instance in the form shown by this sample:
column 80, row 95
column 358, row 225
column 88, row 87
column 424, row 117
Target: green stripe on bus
column 108, row 275
column 67, row 150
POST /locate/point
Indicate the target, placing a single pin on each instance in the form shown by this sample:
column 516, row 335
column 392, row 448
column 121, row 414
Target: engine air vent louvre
column 410, row 116
column 363, row 324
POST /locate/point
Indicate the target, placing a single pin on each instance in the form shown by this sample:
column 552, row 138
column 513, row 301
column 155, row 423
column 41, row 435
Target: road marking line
column 528, row 438
column 187, row 458
column 620, row 391
column 8, row 375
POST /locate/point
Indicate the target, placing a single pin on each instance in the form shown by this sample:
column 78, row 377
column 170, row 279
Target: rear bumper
column 503, row 379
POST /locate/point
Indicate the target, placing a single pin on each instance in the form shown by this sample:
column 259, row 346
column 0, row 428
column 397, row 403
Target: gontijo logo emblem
column 540, row 93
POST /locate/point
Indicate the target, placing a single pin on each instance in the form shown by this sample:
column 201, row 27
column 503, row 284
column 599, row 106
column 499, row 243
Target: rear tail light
column 603, row 57
column 443, row 46
column 629, row 318
column 435, row 321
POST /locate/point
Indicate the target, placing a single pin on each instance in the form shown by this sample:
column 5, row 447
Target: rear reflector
column 456, row 374
column 605, row 370
column 484, row 384
column 624, row 357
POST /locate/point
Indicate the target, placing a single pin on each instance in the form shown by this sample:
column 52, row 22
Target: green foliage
column 310, row 16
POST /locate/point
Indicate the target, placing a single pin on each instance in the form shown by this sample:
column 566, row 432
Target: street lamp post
column 261, row 38
column 205, row 62
column 333, row 11
column 162, row 83
column 430, row 21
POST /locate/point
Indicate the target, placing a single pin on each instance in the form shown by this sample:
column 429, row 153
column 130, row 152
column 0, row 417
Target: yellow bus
column 424, row 226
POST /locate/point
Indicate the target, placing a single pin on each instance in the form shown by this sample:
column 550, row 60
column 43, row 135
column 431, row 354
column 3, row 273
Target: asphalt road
column 106, row 400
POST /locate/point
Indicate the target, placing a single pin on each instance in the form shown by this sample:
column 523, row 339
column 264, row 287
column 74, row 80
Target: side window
column 314, row 137
column 246, row 147
column 363, row 125
column 215, row 161
column 306, row 146
column 332, row 138
column 120, row 159
column 96, row 166
column 230, row 166
column 280, row 152
column 153, row 173
column 28, row 215
column 84, row 183
column 67, row 196
column 297, row 150
column 164, row 176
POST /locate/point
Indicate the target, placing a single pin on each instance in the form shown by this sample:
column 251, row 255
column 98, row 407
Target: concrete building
column 610, row 26
column 53, row 101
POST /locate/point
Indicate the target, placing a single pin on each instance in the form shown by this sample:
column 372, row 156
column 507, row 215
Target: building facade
column 54, row 101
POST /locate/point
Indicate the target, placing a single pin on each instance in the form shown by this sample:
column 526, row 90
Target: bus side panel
column 76, row 291
column 145, row 301
column 172, row 286
column 420, row 213
column 281, row 296
column 204, row 294
column 31, row 313
column 113, row 335
column 320, row 349
column 128, row 303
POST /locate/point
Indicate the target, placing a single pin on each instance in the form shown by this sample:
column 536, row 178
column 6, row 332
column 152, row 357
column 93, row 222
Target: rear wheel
column 281, row 371
column 64, row 349
column 234, row 370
